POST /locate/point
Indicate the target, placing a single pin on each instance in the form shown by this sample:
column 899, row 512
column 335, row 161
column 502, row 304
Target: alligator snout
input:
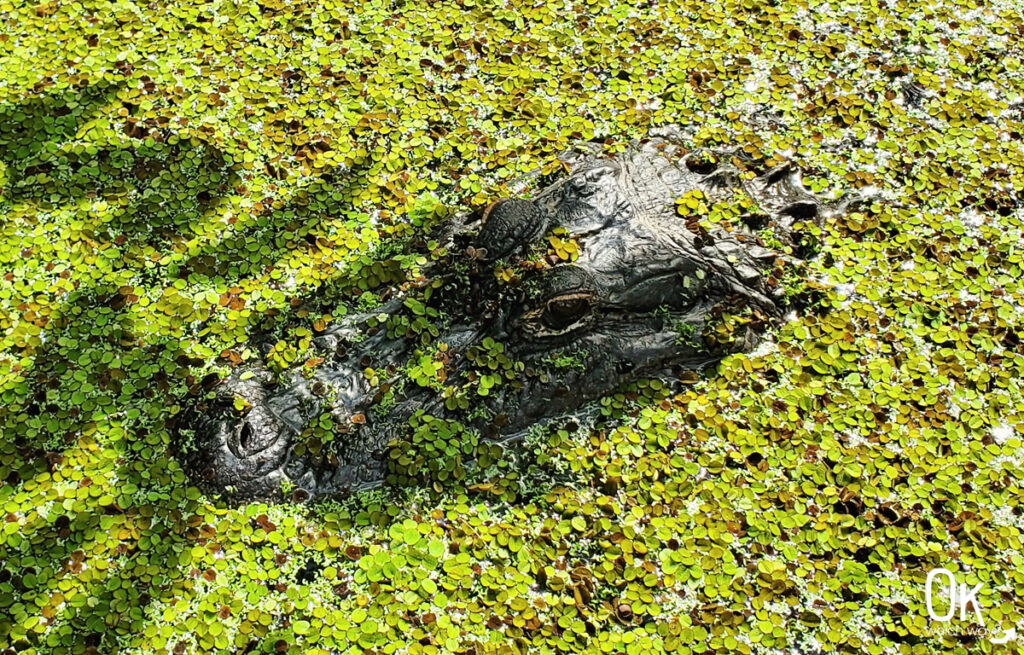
column 242, row 443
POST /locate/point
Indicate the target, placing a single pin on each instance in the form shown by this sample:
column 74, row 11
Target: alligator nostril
column 801, row 210
column 245, row 436
column 701, row 164
column 779, row 174
column 755, row 220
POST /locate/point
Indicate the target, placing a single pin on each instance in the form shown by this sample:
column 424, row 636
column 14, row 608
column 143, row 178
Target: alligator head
column 540, row 306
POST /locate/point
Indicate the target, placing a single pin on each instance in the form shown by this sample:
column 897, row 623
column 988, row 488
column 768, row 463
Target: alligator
column 527, row 311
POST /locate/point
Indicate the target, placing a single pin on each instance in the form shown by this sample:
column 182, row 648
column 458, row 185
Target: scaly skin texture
column 647, row 294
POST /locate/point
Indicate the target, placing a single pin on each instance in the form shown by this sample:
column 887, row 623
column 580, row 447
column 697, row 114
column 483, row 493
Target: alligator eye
column 564, row 311
column 245, row 436
column 582, row 186
column 589, row 181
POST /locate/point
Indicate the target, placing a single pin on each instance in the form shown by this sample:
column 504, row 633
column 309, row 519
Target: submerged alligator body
column 522, row 334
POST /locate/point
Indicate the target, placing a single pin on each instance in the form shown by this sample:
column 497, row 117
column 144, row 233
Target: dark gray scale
column 509, row 226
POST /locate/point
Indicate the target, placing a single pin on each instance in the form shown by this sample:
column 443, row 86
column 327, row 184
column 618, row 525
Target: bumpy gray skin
column 618, row 310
